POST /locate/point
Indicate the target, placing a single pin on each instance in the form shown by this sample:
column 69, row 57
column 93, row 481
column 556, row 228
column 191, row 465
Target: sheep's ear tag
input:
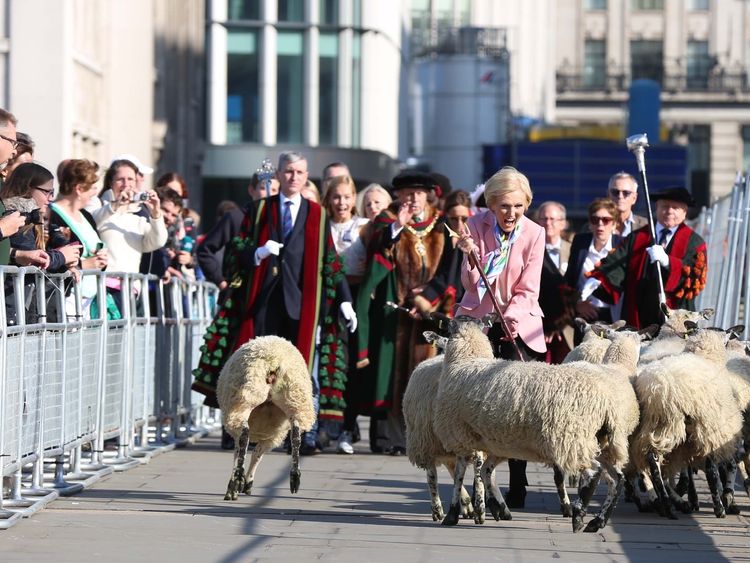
column 488, row 319
column 735, row 331
column 664, row 309
column 599, row 330
column 707, row 313
column 430, row 336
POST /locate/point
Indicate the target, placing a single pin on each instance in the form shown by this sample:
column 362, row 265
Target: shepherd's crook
column 475, row 263
column 637, row 145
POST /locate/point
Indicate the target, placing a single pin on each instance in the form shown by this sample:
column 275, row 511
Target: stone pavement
column 361, row 508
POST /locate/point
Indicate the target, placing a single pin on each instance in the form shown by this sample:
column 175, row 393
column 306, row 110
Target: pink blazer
column 517, row 286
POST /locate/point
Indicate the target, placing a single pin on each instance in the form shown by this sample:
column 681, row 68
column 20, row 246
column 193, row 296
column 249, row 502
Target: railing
column 81, row 397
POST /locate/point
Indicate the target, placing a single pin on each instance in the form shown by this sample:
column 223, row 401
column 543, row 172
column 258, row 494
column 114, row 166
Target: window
column 745, row 147
column 357, row 13
column 646, row 60
column 329, row 12
column 356, row 87
column 289, row 104
column 594, row 71
column 328, row 49
column 699, row 64
column 698, row 5
column 464, row 13
column 648, row 4
column 291, row 11
column 242, row 87
column 243, row 9
column 595, row 5
column 420, row 26
column 699, row 161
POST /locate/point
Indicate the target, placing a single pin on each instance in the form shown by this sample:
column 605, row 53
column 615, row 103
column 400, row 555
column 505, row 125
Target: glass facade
column 698, row 65
column 698, row 5
column 291, row 10
column 329, row 12
column 647, row 4
column 356, row 87
column 243, row 107
column 647, row 60
column 595, row 5
column 594, row 71
column 290, row 87
column 328, row 49
column 243, row 9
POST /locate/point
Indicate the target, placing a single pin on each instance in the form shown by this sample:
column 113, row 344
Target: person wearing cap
column 407, row 245
column 285, row 279
column 629, row 273
column 142, row 169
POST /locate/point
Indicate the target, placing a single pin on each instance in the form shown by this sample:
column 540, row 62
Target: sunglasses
column 621, row 193
column 458, row 218
column 596, row 220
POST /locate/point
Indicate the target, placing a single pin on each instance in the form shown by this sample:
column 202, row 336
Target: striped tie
column 286, row 220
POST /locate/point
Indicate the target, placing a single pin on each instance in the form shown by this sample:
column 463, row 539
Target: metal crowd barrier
column 82, row 397
column 725, row 226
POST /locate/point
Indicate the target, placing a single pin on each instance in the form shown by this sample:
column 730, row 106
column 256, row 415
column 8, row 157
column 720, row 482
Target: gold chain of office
column 419, row 245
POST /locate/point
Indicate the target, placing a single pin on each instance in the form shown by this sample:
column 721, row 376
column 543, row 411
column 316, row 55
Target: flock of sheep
column 621, row 407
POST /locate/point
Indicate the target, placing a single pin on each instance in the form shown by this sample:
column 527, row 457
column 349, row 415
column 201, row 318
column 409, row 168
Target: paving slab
column 359, row 508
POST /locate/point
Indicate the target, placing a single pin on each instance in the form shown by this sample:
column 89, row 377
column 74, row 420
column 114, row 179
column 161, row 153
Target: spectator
column 511, row 249
column 339, row 203
column 623, row 190
column 629, row 272
column 24, row 153
column 408, row 244
column 374, row 199
column 126, row 232
column 177, row 183
column 258, row 189
column 10, row 222
column 588, row 250
column 270, row 295
column 331, row 171
column 141, row 170
column 168, row 260
column 70, row 222
column 310, row 192
column 555, row 297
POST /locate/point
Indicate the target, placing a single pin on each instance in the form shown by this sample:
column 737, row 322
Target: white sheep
column 672, row 334
column 593, row 346
column 688, row 415
column 263, row 389
column 562, row 415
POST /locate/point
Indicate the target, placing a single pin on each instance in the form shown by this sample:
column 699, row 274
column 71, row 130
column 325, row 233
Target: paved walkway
column 350, row 508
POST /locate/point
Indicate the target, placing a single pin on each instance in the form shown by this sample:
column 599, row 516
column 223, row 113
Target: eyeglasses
column 597, row 220
column 12, row 142
column 49, row 193
column 621, row 193
column 550, row 219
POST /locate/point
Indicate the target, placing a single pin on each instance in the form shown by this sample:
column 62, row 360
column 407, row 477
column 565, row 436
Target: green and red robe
column 234, row 324
column 627, row 272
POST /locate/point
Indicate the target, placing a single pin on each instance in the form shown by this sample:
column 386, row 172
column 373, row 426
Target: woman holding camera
column 130, row 224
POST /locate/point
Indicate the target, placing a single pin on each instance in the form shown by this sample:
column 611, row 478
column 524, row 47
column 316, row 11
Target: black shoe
column 227, row 442
column 397, row 451
column 308, row 449
column 516, row 498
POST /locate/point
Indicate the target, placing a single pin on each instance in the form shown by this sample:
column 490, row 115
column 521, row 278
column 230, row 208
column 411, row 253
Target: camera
column 33, row 217
column 139, row 197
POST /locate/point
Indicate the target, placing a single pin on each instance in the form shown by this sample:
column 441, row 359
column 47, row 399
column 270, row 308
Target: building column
column 268, row 73
column 311, row 95
column 725, row 140
column 345, row 61
column 217, row 74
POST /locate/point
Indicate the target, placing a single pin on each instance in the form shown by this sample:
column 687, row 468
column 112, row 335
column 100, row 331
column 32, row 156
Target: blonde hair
column 310, row 191
column 335, row 182
column 371, row 188
column 505, row 181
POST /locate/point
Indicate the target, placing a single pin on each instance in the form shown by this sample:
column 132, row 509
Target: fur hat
column 414, row 179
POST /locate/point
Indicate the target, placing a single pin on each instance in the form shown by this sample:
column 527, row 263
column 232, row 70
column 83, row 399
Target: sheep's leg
column 237, row 480
column 467, row 508
column 255, row 457
column 495, row 500
column 478, row 489
column 682, row 485
column 587, row 485
column 742, row 467
column 294, row 473
column 675, row 497
column 562, row 492
column 451, row 519
column 712, row 476
column 615, row 483
column 692, row 492
column 727, row 495
column 663, row 506
column 432, row 485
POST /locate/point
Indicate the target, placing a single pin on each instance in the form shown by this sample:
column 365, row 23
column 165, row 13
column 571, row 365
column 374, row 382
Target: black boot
column 227, row 442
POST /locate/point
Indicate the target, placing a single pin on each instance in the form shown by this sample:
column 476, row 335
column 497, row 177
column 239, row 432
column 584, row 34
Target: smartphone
column 99, row 246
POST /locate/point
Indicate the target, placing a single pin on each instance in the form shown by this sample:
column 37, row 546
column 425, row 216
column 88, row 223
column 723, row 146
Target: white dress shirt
column 588, row 285
column 659, row 229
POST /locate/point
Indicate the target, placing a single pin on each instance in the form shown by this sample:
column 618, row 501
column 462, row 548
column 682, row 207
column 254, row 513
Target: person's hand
column 75, row 274
column 153, row 204
column 656, row 253
column 10, row 224
column 102, row 257
column 184, row 258
column 174, row 272
column 38, row 258
column 586, row 311
column 125, row 199
column 171, row 252
column 421, row 308
column 223, row 285
column 271, row 247
column 349, row 315
column 466, row 244
column 404, row 214
column 72, row 253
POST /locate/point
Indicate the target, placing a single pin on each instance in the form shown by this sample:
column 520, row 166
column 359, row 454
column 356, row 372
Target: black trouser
column 274, row 319
column 504, row 349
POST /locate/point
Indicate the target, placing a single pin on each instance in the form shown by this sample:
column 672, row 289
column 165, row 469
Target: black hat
column 443, row 183
column 675, row 193
column 414, row 179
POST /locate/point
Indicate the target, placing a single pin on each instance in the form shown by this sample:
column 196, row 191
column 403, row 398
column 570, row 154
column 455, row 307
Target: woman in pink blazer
column 511, row 251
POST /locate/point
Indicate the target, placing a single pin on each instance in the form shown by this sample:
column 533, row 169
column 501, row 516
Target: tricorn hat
column 675, row 193
column 414, row 179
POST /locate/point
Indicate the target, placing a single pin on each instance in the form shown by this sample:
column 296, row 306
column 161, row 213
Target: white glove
column 271, row 247
column 656, row 253
column 351, row 317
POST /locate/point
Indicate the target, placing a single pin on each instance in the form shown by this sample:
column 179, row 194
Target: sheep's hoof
column 494, row 507
column 665, row 510
column 728, row 501
column 733, row 509
column 247, row 488
column 467, row 509
column 683, row 506
column 294, row 480
column 746, row 484
column 578, row 514
column 594, row 525
column 647, row 506
column 451, row 519
column 567, row 510
column 719, row 511
column 437, row 513
column 479, row 515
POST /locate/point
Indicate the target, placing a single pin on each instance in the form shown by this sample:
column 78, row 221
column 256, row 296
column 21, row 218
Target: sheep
column 593, row 346
column 263, row 389
column 563, row 415
column 688, row 414
column 671, row 339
